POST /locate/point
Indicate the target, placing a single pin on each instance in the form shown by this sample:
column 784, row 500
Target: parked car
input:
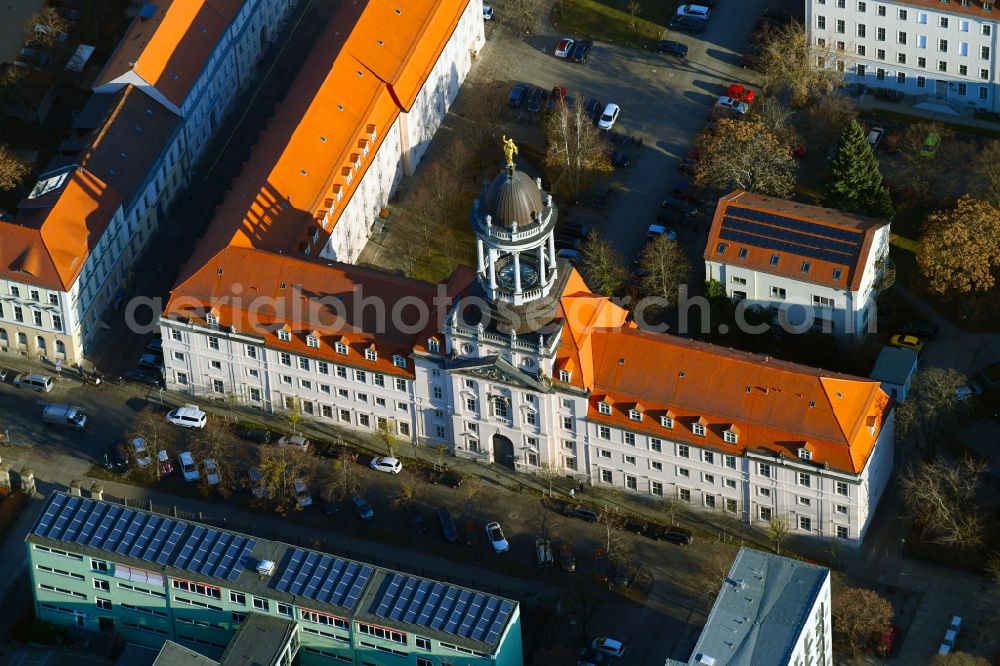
column 564, row 47
column 471, row 534
column 362, row 508
column 140, row 452
column 155, row 344
column 448, row 529
column 543, row 551
column 930, row 147
column 673, row 48
column 497, row 540
column 583, row 513
column 145, row 375
column 566, row 243
column 165, row 463
column 572, row 256
column 924, row 330
column 694, row 11
column 536, row 100
column 188, row 467
column 620, row 160
column 386, row 464
column 593, row 109
column 152, row 361
column 656, row 230
column 678, row 535
column 567, row 559
column 679, row 206
column 517, row 95
column 260, row 436
column 574, row 229
column 580, row 51
column 487, row 13
column 904, row 341
column 601, row 565
column 732, row 105
column 415, row 519
column 303, row 498
column 875, row 135
column 188, row 416
column 968, row 391
column 448, row 478
column 609, row 117
column 741, row 93
column 687, row 24
column 608, row 646
column 211, row 472
column 557, row 95
column 331, row 507
column 297, row 441
column 257, row 488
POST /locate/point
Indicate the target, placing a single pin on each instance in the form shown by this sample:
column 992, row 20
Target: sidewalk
column 867, row 103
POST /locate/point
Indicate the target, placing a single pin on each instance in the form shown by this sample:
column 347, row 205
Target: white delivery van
column 66, row 415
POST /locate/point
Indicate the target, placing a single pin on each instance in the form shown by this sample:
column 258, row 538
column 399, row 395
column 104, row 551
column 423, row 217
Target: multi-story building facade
column 152, row 578
column 518, row 363
column 817, row 268
column 944, row 53
column 769, row 606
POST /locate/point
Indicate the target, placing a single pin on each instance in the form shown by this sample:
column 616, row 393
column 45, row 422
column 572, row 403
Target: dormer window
column 635, row 414
column 743, row 253
column 312, row 341
column 433, row 346
column 340, row 348
column 284, row 335
column 837, row 273
column 212, row 320
column 871, row 422
column 398, row 361
column 604, row 408
column 775, row 259
column 564, row 375
column 698, row 429
column 666, row 422
column 370, row 355
column 730, row 437
column 805, row 454
column 806, row 266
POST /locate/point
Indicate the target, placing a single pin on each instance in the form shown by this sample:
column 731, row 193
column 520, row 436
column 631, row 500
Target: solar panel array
column 775, row 232
column 454, row 610
column 110, row 527
column 324, row 578
column 214, row 553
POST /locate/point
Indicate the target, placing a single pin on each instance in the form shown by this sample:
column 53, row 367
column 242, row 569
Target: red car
column 736, row 91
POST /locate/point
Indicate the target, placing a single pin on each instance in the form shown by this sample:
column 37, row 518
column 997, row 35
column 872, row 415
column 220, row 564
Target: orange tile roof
column 366, row 68
column 758, row 256
column 776, row 406
column 260, row 293
column 49, row 240
column 170, row 49
column 976, row 8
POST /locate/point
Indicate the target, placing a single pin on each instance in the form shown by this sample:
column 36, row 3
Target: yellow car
column 907, row 342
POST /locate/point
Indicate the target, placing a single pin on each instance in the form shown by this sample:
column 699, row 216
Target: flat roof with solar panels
column 164, row 546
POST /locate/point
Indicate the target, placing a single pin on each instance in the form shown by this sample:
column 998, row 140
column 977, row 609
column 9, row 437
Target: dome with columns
column 514, row 221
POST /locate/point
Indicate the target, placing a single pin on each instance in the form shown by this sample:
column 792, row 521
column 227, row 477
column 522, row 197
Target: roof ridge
column 106, row 125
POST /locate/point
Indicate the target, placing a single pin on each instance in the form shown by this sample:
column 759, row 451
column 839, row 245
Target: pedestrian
column 572, row 492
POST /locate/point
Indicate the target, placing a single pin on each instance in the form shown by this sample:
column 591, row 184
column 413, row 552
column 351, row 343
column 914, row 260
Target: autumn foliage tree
column 960, row 249
column 793, row 66
column 745, row 155
column 13, row 168
column 44, row 26
column 577, row 153
column 858, row 613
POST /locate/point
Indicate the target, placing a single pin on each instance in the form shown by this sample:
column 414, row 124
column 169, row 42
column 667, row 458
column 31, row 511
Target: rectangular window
column 708, row 478
column 630, row 438
column 57, row 322
column 764, row 470
column 729, row 461
column 422, row 643
column 656, row 488
column 842, row 27
column 631, row 482
column 284, row 609
column 880, row 54
column 684, row 494
column 764, row 512
column 101, row 585
column 986, row 30
column 841, row 509
column 984, row 52
column 103, row 604
column 730, row 505
column 658, row 466
column 862, row 7
column 805, row 480
column 378, row 379
column 698, row 429
column 921, row 81
column 841, row 532
column 400, row 384
column 821, row 22
column 655, row 445
column 880, row 34
column 238, row 598
column 805, row 501
column 900, row 78
column 880, row 10
column 880, row 74
column 983, row 92
column 303, row 364
column 984, row 74
column 710, row 501
column 730, row 483
column 683, row 472
column 943, row 21
column 342, row 372
column 603, row 408
column 778, row 292
column 261, row 604
column 942, row 66
column 861, row 52
column 607, row 476
column 322, row 367
column 805, row 523
column 842, row 488
column 604, row 432
column 285, row 358
column 902, row 14
column 629, row 460
column 861, row 31
column 361, row 376
column 943, row 45
column 683, row 451
column 764, row 492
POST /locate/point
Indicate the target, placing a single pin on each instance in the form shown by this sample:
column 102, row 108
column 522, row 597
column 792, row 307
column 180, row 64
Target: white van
column 66, row 415
column 188, row 416
column 40, row 383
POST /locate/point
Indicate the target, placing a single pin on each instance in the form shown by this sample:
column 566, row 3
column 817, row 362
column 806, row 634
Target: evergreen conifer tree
column 856, row 183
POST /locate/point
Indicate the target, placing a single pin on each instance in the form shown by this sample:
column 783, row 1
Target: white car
column 141, row 452
column 390, row 465
column 564, row 47
column 302, row 496
column 732, row 104
column 298, row 441
column 188, row 416
column 608, row 646
column 608, row 118
column 211, row 472
column 694, row 11
column 487, row 13
column 188, row 467
column 495, row 535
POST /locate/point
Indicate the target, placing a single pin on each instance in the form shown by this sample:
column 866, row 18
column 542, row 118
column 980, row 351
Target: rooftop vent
column 706, row 660
column 265, row 567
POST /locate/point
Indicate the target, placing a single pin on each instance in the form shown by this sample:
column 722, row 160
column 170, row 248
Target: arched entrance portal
column 503, row 451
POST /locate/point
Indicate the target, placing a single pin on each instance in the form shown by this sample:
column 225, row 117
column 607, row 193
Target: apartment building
column 769, row 606
column 816, row 268
column 942, row 53
column 152, row 578
column 517, row 362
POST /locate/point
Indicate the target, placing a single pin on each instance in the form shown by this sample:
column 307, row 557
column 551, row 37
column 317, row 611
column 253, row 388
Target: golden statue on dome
column 509, row 150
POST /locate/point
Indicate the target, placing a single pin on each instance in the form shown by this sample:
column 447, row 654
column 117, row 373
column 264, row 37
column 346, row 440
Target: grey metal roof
column 514, row 197
column 173, row 654
column 760, row 611
column 894, row 365
column 259, row 641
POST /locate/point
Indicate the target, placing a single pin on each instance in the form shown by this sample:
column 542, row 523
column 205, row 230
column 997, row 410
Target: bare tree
column 930, row 409
column 942, row 498
column 524, row 15
column 672, row 508
column 216, row 442
column 388, row 439
column 745, row 154
column 487, row 108
column 279, row 466
column 776, row 116
column 603, row 266
column 928, row 168
column 153, row 428
column 45, row 26
column 713, row 569
column 577, row 153
column 294, row 415
column 777, row 530
column 858, row 613
column 634, row 8
column 824, row 121
column 987, row 173
column 794, row 66
column 548, row 473
column 665, row 267
column 13, row 168
column 338, row 481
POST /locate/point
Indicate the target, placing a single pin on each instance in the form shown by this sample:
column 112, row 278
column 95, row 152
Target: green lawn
column 903, row 251
column 610, row 23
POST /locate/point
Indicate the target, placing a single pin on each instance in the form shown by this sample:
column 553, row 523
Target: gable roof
column 368, row 66
column 62, row 219
column 169, row 49
column 801, row 242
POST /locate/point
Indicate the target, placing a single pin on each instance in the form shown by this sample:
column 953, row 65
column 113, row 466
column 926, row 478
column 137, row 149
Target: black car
column 574, row 229
column 588, row 515
column 145, row 375
column 258, row 435
column 687, row 24
column 677, row 535
column 114, row 459
column 331, row 507
column 517, row 95
column 679, row 206
column 567, row 243
column 594, row 109
column 416, row 521
column 620, row 160
column 580, row 51
column 536, row 100
column 924, row 330
column 450, row 479
column 672, row 48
